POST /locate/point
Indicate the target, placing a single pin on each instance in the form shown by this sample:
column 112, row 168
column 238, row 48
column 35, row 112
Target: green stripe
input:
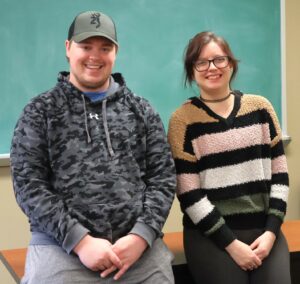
column 244, row 204
column 277, row 213
column 216, row 227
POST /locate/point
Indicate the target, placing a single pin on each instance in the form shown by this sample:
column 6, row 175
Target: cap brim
column 83, row 36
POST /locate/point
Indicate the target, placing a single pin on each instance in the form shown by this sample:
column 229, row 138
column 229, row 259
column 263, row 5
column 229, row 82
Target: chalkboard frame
column 138, row 52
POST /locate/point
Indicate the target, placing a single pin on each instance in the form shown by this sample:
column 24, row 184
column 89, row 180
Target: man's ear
column 68, row 45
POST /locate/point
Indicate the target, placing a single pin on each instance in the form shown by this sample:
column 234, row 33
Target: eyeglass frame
column 212, row 61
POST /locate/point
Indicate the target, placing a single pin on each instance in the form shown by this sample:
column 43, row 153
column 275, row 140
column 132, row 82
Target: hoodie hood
column 116, row 86
column 114, row 91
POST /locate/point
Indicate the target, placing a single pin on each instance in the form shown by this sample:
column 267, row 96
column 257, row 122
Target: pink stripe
column 279, row 165
column 232, row 139
column 187, row 182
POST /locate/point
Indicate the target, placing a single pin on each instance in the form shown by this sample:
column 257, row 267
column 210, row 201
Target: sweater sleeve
column 279, row 171
column 31, row 173
column 160, row 178
column 194, row 202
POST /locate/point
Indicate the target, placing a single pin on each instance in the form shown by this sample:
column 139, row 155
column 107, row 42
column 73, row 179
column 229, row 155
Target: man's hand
column 129, row 249
column 97, row 254
column 263, row 244
column 243, row 255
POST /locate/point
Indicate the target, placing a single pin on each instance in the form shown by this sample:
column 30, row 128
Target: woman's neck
column 215, row 96
column 223, row 105
column 216, row 100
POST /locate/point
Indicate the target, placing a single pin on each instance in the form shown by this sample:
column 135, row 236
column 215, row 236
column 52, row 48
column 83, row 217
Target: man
column 93, row 172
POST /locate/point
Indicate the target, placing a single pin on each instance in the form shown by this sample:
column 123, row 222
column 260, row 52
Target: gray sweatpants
column 49, row 264
column 210, row 265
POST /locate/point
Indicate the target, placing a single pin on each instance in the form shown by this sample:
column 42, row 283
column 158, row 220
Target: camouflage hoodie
column 103, row 168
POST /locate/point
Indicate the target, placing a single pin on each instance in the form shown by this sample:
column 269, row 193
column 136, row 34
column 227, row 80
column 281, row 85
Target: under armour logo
column 94, row 115
column 95, row 19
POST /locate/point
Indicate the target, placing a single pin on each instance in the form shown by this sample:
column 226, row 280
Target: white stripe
column 199, row 210
column 254, row 170
column 280, row 191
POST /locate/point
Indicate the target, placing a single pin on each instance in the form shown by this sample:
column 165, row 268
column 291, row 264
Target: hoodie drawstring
column 105, row 125
column 89, row 140
column 108, row 141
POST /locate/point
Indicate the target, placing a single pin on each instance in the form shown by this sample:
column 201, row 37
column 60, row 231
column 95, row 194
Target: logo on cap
column 95, row 19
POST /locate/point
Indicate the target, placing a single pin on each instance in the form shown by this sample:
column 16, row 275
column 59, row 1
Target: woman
column 231, row 172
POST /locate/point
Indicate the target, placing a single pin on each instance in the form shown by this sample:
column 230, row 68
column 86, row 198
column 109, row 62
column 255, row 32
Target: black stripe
column 280, row 178
column 230, row 192
column 259, row 116
column 277, row 150
column 236, row 191
column 184, row 166
column 234, row 157
column 235, row 222
column 189, row 198
column 206, row 223
column 246, row 221
column 212, row 218
column 278, row 204
column 187, row 145
column 223, row 237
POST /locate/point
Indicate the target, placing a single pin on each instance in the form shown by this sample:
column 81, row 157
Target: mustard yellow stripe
column 184, row 116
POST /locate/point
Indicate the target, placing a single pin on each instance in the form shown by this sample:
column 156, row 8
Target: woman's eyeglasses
column 220, row 62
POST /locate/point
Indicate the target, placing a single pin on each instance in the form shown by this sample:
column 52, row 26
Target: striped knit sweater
column 231, row 173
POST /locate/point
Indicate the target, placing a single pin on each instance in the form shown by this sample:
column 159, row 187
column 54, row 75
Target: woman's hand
column 243, row 255
column 263, row 244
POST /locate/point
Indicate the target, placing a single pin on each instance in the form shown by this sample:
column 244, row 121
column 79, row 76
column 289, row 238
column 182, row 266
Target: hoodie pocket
column 112, row 219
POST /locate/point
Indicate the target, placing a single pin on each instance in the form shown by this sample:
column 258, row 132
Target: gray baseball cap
column 92, row 23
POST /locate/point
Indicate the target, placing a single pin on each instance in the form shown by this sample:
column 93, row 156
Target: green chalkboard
column 152, row 36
